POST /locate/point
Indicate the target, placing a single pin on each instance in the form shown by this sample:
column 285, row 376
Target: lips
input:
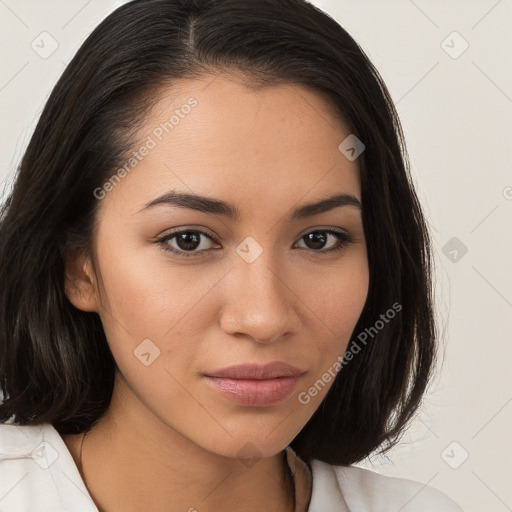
column 258, row 372
column 253, row 385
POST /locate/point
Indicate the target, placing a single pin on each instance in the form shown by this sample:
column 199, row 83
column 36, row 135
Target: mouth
column 253, row 385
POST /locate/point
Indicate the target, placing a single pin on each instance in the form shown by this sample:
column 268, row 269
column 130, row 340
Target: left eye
column 189, row 242
column 320, row 237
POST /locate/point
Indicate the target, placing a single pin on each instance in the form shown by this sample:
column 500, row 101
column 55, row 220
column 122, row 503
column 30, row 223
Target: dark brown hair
column 55, row 363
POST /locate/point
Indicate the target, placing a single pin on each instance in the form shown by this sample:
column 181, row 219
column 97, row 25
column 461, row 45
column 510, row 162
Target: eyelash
column 342, row 236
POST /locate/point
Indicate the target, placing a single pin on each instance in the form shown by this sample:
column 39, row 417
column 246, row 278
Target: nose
column 259, row 302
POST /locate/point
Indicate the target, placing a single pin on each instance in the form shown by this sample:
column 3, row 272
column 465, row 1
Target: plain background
column 455, row 104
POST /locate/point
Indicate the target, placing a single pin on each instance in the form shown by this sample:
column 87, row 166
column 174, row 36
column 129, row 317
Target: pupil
column 184, row 240
column 318, row 239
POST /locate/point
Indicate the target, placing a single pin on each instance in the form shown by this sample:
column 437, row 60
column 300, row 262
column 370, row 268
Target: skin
column 168, row 441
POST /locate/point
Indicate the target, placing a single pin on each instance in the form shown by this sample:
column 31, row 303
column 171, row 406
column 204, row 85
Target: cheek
column 147, row 297
column 145, row 294
column 336, row 300
column 146, row 310
column 337, row 296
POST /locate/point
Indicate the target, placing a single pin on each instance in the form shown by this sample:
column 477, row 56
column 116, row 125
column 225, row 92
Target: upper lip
column 259, row 372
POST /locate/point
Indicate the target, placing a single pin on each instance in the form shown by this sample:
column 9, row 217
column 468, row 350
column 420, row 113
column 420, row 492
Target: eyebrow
column 231, row 211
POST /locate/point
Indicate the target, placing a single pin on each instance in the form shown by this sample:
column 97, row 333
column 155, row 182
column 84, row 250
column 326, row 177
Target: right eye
column 187, row 242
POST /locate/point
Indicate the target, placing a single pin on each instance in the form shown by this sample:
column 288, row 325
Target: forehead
column 215, row 136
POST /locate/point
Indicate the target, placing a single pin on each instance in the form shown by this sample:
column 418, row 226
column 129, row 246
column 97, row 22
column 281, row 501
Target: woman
column 216, row 272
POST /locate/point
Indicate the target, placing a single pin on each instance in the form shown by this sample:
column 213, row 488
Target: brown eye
column 316, row 240
column 187, row 242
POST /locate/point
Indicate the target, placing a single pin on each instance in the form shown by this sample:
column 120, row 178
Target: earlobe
column 80, row 285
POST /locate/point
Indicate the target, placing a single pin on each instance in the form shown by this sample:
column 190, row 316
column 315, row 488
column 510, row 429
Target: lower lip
column 252, row 392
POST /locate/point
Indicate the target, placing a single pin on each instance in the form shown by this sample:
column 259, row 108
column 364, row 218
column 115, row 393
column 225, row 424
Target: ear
column 80, row 284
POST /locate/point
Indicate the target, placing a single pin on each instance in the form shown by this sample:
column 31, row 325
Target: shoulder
column 38, row 471
column 362, row 490
column 18, row 439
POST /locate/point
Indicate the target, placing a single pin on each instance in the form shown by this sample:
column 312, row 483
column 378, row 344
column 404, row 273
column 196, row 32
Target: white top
column 38, row 473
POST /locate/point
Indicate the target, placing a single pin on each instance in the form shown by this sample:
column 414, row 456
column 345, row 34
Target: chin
column 252, row 444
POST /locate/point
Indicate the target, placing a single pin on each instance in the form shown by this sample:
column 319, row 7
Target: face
column 186, row 289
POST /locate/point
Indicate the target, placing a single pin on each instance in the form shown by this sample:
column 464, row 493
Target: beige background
column 457, row 115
